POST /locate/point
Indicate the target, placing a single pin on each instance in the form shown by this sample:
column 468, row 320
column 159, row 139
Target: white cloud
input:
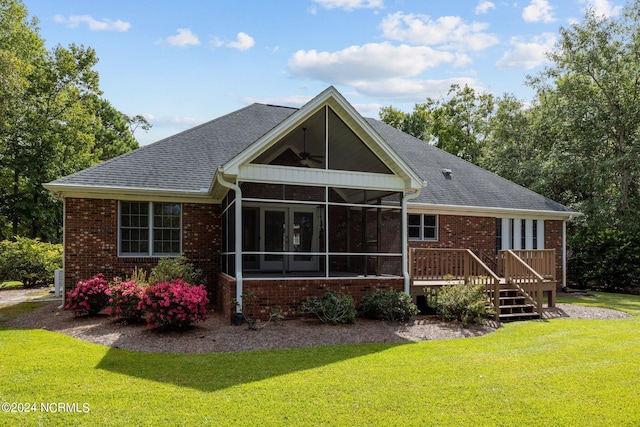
column 184, row 38
column 448, row 31
column 242, row 42
column 603, row 7
column 285, row 101
column 538, row 11
column 94, row 25
column 349, row 4
column 484, row 6
column 530, row 54
column 369, row 62
column 411, row 89
column 368, row 109
column 172, row 121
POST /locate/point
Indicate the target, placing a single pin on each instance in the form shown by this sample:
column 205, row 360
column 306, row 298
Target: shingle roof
column 467, row 185
column 188, row 162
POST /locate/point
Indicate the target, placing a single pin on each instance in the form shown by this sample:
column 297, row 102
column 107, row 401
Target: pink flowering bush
column 124, row 301
column 89, row 297
column 174, row 305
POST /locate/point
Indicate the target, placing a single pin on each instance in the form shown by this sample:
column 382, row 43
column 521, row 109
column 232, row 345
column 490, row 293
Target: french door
column 293, row 231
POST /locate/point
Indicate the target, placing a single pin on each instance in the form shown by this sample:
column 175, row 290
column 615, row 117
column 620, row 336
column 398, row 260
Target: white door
column 291, row 229
column 274, row 238
column 303, row 232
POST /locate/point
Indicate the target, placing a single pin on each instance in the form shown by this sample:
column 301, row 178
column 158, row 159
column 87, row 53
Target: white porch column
column 405, row 239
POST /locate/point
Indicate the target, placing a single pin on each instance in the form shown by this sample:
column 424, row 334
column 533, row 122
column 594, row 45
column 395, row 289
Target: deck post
column 539, row 296
column 496, row 299
column 467, row 268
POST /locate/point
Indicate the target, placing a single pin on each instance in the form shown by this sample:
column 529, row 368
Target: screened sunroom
column 318, row 202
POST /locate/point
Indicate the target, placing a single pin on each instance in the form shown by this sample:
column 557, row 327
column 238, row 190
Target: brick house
column 284, row 203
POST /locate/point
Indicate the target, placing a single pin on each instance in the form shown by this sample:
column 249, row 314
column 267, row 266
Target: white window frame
column 422, row 237
column 150, row 253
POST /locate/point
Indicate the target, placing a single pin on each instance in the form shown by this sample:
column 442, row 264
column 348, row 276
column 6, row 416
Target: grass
column 561, row 372
column 10, row 285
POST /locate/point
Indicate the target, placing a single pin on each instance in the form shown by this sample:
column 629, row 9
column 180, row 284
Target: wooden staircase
column 520, row 277
column 514, row 305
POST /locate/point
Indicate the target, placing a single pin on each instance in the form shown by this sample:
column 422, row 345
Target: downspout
column 238, row 237
column 405, row 238
column 64, row 238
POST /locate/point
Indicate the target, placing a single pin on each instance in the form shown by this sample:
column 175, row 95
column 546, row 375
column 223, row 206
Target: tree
column 511, row 149
column 458, row 125
column 592, row 94
column 114, row 134
column 52, row 123
column 418, row 123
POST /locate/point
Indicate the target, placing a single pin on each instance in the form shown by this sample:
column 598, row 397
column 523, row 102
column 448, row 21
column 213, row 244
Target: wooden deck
column 515, row 290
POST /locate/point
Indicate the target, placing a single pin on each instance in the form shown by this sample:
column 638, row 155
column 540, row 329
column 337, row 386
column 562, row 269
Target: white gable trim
column 329, row 96
column 310, row 176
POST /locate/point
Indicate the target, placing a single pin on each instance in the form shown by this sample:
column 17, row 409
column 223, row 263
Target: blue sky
column 181, row 63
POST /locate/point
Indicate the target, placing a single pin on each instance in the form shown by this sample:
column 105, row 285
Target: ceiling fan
column 304, row 155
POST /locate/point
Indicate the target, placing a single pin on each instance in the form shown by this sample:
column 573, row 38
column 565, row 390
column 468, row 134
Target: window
column 423, row 227
column 150, row 229
column 519, row 233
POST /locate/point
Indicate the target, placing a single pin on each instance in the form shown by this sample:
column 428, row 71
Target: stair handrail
column 530, row 276
column 439, row 264
column 491, row 285
column 542, row 261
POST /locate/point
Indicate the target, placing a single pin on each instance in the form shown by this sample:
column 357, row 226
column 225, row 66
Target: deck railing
column 541, row 260
column 454, row 266
column 520, row 274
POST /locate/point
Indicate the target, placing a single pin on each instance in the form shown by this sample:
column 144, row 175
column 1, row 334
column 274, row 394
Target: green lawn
column 563, row 372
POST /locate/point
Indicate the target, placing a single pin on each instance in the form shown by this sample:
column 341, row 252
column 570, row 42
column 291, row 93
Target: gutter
column 490, row 211
column 238, row 237
column 117, row 192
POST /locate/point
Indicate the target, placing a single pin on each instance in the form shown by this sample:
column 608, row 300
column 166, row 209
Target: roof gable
column 357, row 128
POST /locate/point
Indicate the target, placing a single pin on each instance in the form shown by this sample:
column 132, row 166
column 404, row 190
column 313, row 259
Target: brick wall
column 288, row 295
column 91, row 248
column 463, row 232
column 553, row 240
column 91, row 241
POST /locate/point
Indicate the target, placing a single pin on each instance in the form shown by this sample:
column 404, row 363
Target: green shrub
column 464, row 303
column 169, row 269
column 388, row 305
column 607, row 260
column 333, row 308
column 139, row 277
column 29, row 261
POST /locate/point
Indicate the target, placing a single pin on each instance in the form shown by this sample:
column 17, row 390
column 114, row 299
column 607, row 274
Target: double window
column 149, row 229
column 423, row 227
